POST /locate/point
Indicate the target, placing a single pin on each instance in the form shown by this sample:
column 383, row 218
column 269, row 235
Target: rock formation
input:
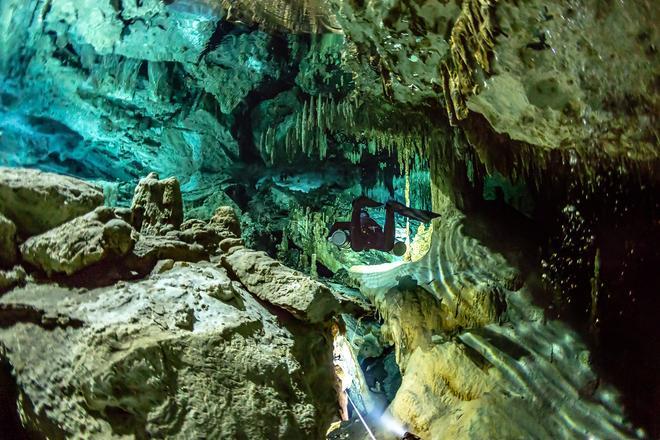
column 157, row 205
column 527, row 310
column 163, row 357
column 80, row 243
column 304, row 298
column 464, row 375
column 37, row 202
column 7, row 241
column 11, row 278
column 185, row 352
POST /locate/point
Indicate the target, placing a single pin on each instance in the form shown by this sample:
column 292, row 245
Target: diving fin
column 415, row 214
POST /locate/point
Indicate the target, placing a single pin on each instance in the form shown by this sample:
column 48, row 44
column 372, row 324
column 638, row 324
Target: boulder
column 162, row 266
column 164, row 358
column 7, row 242
column 37, row 202
column 229, row 243
column 11, row 278
column 157, row 205
column 151, row 249
column 281, row 286
column 80, row 243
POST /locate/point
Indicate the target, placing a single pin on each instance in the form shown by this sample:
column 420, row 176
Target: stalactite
column 407, row 196
column 304, row 16
column 471, row 42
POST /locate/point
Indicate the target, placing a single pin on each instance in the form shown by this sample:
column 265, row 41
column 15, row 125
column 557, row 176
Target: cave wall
column 555, row 101
column 111, row 91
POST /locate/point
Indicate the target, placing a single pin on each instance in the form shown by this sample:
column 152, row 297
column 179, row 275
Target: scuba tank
column 340, row 238
column 399, row 249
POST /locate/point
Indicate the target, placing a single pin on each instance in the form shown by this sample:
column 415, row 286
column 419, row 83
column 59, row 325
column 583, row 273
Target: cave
column 329, row 219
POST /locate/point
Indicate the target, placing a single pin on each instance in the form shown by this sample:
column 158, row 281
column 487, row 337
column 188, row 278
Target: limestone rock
column 36, row 201
column 230, row 243
column 123, row 213
column 157, row 205
column 197, row 231
column 226, row 222
column 80, row 243
column 163, row 266
column 465, row 376
column 163, row 358
column 152, row 248
column 224, row 225
column 7, row 241
column 11, row 278
column 281, row 286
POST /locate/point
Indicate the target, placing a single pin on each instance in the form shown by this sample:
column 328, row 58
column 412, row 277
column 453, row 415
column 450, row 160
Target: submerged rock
column 157, row 205
column 222, row 226
column 11, row 278
column 149, row 249
column 466, row 376
column 80, row 243
column 163, row 358
column 226, row 222
column 281, row 286
column 36, row 201
column 7, row 241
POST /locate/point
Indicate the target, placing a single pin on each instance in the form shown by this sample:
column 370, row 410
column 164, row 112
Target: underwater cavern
column 329, row 219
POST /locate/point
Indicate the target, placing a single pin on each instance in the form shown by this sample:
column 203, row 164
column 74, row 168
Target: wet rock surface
column 184, row 354
column 171, row 345
column 7, row 241
column 157, row 205
column 80, row 243
column 277, row 284
column 486, row 371
column 37, row 201
column 153, row 248
column 11, row 277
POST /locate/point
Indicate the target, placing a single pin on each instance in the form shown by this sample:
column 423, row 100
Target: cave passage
column 169, row 172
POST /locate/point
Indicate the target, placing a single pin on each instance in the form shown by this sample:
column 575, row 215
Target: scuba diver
column 364, row 233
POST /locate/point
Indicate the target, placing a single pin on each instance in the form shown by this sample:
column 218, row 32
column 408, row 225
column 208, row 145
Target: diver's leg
column 415, row 214
column 390, row 229
column 357, row 240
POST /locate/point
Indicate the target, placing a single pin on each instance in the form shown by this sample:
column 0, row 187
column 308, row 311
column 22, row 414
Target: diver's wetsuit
column 366, row 233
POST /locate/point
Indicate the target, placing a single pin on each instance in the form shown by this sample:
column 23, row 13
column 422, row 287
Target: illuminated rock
column 157, row 205
column 225, row 222
column 11, row 278
column 163, row 357
column 271, row 281
column 80, row 243
column 467, row 376
column 36, row 201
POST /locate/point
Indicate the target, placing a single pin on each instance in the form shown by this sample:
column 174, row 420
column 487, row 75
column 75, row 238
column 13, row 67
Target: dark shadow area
column 10, row 422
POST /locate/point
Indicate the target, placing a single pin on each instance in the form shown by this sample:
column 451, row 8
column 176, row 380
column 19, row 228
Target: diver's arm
column 364, row 201
column 390, row 229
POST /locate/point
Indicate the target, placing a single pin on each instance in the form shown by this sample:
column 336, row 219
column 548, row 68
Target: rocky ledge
column 121, row 322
